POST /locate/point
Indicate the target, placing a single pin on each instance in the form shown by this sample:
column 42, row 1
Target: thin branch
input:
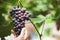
column 19, row 3
column 35, row 28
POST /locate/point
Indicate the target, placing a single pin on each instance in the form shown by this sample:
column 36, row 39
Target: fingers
column 27, row 34
column 23, row 32
column 21, row 36
column 14, row 33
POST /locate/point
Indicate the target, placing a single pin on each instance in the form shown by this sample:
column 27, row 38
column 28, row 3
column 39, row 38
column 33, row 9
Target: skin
column 25, row 33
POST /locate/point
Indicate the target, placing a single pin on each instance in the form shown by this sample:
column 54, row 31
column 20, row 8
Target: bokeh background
column 38, row 9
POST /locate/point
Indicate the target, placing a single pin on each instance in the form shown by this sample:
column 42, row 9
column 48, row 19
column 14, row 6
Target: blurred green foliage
column 47, row 32
column 38, row 8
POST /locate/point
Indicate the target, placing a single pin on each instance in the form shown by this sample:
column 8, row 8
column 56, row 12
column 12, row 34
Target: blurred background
column 39, row 10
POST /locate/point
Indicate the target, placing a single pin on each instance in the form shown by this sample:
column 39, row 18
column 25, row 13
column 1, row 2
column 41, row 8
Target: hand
column 26, row 31
column 29, row 28
column 21, row 36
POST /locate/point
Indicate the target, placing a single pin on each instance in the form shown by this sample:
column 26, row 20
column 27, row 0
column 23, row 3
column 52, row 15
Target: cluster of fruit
column 18, row 17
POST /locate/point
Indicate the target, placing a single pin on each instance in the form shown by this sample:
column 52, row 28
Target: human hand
column 21, row 36
column 26, row 32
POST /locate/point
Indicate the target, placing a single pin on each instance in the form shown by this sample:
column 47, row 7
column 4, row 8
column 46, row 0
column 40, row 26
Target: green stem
column 36, row 29
column 19, row 3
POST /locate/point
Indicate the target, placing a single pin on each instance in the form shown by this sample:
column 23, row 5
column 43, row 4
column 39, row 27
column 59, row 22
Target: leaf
column 36, row 20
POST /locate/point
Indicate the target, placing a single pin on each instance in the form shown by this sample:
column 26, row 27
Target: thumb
column 25, row 36
column 21, row 36
column 22, row 32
